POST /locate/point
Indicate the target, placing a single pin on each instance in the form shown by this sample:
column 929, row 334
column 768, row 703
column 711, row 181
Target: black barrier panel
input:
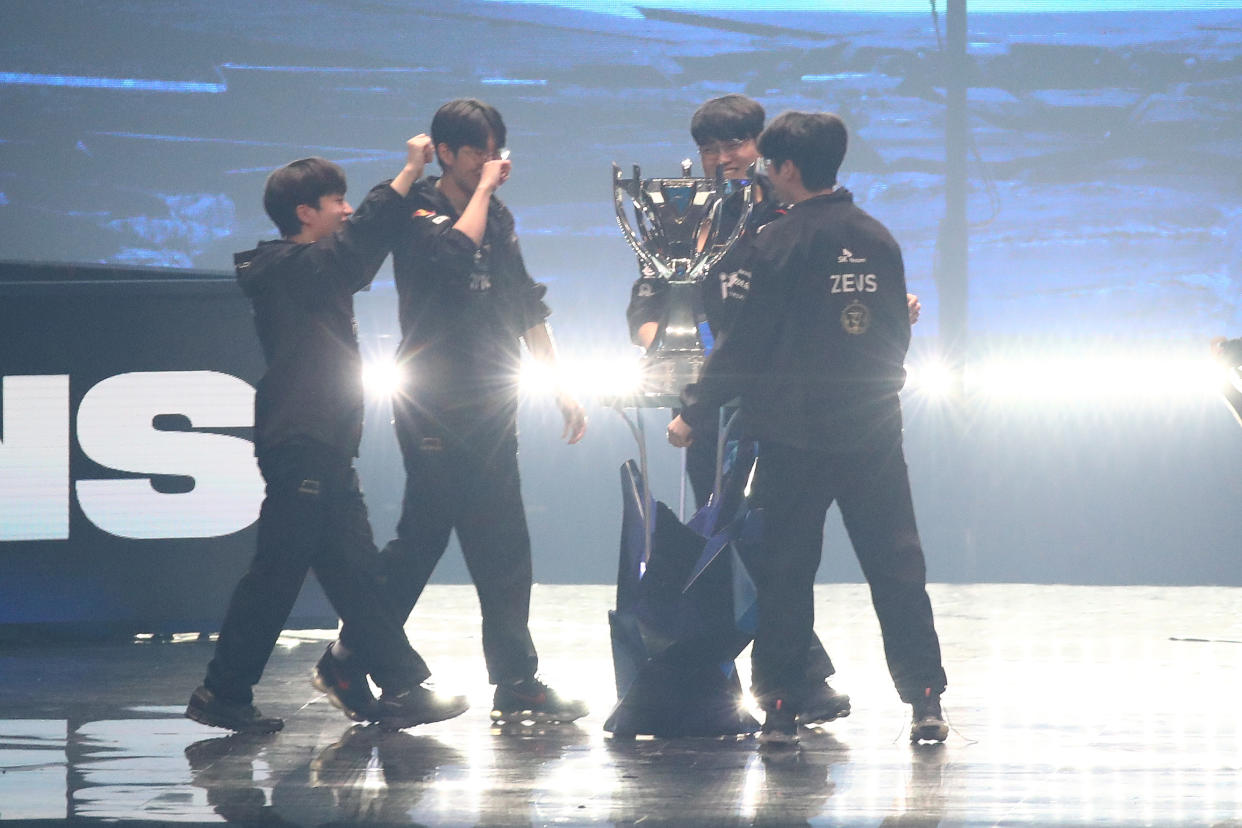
column 128, row 486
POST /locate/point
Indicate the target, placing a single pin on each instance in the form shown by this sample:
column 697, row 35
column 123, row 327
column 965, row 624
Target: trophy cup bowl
column 677, row 235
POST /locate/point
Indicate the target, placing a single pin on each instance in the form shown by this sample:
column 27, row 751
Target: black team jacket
column 303, row 298
column 463, row 308
column 818, row 349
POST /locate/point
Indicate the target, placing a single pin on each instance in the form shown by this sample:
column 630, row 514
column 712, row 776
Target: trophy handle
column 644, row 257
column 707, row 262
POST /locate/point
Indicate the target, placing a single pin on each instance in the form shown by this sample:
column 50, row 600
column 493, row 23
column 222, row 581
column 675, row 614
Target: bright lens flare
column 598, row 378
column 1063, row 380
column 1096, row 378
column 382, row 378
column 933, row 378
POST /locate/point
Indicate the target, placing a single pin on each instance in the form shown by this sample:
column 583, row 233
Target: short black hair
column 467, row 122
column 304, row 181
column 727, row 118
column 814, row 141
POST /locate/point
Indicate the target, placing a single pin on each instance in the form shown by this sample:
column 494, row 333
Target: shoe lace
column 944, row 714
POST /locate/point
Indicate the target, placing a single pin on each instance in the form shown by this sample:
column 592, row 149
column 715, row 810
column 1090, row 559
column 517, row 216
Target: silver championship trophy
column 679, row 238
column 684, row 607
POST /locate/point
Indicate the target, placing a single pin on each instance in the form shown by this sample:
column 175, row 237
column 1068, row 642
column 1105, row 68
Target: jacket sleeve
column 528, row 306
column 741, row 354
column 648, row 302
column 347, row 260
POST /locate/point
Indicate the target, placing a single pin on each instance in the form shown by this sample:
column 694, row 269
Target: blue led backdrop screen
column 1104, row 204
column 1107, row 200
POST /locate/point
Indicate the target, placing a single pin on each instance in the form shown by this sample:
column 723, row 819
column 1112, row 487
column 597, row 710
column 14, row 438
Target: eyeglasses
column 501, row 154
column 766, row 166
column 721, row 147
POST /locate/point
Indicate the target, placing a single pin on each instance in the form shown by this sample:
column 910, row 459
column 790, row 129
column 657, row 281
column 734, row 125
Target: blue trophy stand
column 685, row 608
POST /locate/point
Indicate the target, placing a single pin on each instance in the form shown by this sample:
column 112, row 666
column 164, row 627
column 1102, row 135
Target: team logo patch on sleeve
column 855, row 319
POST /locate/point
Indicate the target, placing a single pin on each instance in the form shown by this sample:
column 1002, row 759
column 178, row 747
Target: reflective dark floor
column 1070, row 705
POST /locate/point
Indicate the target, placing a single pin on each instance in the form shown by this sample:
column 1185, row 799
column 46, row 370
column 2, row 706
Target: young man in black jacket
column 817, row 356
column 308, row 423
column 466, row 304
column 726, row 130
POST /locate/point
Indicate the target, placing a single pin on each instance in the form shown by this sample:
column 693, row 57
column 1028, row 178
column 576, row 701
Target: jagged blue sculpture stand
column 685, row 610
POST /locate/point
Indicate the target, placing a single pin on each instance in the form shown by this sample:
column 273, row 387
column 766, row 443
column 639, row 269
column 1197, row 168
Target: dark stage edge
column 1070, row 705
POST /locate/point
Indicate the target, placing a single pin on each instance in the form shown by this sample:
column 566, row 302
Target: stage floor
column 1069, row 705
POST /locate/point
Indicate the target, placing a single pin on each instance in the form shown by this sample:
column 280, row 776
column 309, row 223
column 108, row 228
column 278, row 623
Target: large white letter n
column 34, row 458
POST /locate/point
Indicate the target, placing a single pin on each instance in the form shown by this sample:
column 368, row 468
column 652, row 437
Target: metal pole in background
column 952, row 280
column 952, row 260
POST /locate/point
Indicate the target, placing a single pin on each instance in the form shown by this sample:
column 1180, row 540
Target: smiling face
column 735, row 155
column 324, row 219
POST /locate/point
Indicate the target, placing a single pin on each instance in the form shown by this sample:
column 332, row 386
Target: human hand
column 574, row 416
column 418, row 153
column 494, row 174
column 680, row 434
column 913, row 307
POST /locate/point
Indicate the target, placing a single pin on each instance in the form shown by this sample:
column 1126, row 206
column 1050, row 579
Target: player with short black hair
column 817, row 356
column 308, row 424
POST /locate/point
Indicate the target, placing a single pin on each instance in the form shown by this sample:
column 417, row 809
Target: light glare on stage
column 1024, row 377
column 382, row 378
column 588, row 378
column 1060, row 379
column 931, row 377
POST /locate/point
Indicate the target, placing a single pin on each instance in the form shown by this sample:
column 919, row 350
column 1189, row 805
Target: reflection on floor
column 1069, row 705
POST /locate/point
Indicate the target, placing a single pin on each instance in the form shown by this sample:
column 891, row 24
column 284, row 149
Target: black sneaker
column 823, row 704
column 207, row 708
column 345, row 685
column 530, row 700
column 418, row 705
column 780, row 725
column 928, row 724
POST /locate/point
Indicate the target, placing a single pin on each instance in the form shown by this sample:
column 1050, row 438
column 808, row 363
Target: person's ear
column 306, row 213
column 445, row 155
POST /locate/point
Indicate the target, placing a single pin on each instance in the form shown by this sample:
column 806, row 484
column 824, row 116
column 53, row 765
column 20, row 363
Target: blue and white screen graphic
column 1104, row 229
column 1104, row 134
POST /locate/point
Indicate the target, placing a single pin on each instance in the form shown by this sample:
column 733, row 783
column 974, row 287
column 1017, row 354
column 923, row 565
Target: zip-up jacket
column 303, row 302
column 818, row 349
column 463, row 309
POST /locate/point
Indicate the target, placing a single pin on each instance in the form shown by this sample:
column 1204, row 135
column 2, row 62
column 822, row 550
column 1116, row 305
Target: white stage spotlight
column 382, row 378
column 591, row 378
column 535, row 379
column 1094, row 376
column 932, row 378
